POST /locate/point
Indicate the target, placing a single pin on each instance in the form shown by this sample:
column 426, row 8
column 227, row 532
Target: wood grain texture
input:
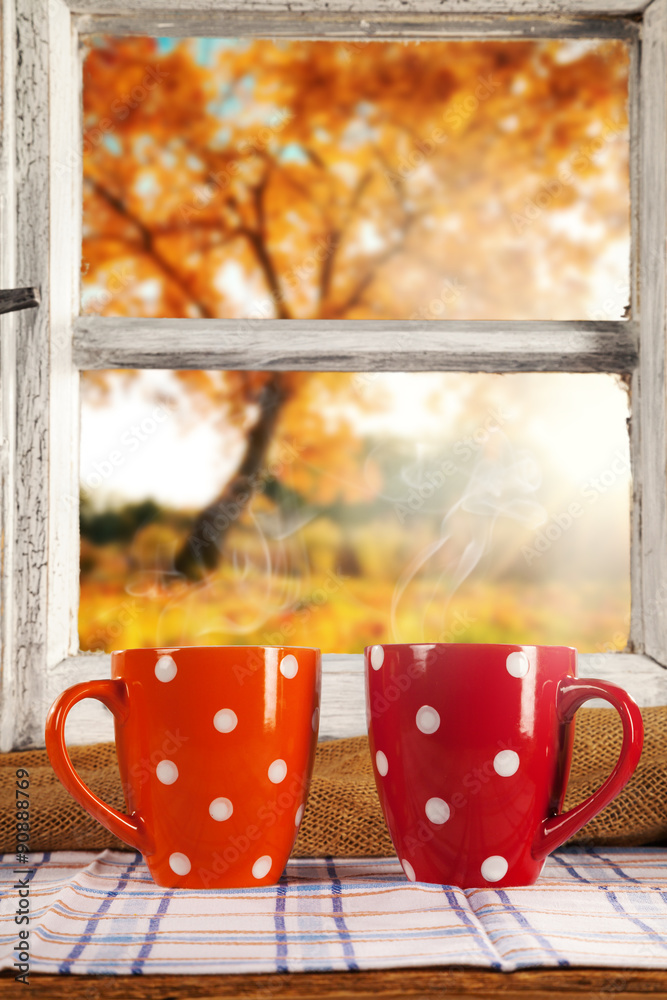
column 29, row 584
column 39, row 395
column 162, row 10
column 389, row 984
column 334, row 25
column 649, row 407
column 8, row 333
column 15, row 299
column 354, row 345
column 65, row 177
column 635, row 639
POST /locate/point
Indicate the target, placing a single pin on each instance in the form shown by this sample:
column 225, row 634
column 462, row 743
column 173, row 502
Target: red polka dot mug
column 215, row 747
column 471, row 748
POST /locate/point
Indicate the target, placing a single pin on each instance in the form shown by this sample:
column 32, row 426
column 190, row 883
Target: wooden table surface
column 395, row 984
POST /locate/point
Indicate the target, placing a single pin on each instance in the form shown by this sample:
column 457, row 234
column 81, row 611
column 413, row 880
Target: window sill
column 343, row 710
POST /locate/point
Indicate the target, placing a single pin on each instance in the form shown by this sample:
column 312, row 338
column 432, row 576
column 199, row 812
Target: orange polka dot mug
column 215, row 747
column 471, row 747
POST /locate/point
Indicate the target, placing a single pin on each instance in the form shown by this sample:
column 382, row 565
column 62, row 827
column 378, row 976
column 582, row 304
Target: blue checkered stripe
column 103, row 914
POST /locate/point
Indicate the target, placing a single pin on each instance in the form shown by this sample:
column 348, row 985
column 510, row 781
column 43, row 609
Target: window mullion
column 39, row 382
column 649, row 418
column 9, row 324
column 66, row 172
column 24, row 657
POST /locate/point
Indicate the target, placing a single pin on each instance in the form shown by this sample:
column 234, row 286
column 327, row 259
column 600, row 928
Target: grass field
column 343, row 613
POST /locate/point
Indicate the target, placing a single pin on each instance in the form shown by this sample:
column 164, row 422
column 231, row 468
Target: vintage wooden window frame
column 43, row 350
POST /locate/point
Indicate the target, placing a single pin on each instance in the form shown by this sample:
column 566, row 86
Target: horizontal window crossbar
column 373, row 26
column 355, row 345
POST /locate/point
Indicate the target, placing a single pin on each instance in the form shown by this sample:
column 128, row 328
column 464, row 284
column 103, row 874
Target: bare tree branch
column 257, row 240
column 336, row 237
column 149, row 247
column 409, row 218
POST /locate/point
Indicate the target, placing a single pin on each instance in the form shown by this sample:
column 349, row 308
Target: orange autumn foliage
column 318, row 179
column 441, row 180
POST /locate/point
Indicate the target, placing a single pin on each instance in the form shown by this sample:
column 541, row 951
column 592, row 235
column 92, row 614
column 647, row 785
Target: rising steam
column 502, row 484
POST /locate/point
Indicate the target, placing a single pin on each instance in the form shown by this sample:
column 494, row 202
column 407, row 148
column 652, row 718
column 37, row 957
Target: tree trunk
column 202, row 550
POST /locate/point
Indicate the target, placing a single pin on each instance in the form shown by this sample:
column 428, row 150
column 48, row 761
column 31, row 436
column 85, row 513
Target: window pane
column 339, row 509
column 258, row 179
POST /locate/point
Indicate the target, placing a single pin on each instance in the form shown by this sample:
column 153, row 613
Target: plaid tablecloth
column 103, row 914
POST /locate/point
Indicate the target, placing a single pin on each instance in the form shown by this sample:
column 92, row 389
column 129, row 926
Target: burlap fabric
column 343, row 816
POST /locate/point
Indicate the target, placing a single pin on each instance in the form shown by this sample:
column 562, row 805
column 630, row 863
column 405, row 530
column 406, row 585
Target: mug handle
column 113, row 694
column 571, row 694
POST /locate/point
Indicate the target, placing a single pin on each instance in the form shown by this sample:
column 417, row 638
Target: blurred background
column 251, row 179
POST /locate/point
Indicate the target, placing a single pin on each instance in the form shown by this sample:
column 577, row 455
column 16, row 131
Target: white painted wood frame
column 42, row 351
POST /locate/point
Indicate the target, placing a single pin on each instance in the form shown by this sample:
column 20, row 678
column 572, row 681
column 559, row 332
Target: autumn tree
column 304, row 180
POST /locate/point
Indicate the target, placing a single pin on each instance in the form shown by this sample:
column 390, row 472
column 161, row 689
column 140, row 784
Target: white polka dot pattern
column 262, row 866
column 428, row 720
column 165, row 669
column 166, row 772
column 494, row 868
column 179, row 863
column 377, row 657
column 220, row 809
column 426, row 789
column 277, row 771
column 437, row 811
column 289, row 666
column 409, row 870
column 506, row 763
column 517, row 664
column 225, row 720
